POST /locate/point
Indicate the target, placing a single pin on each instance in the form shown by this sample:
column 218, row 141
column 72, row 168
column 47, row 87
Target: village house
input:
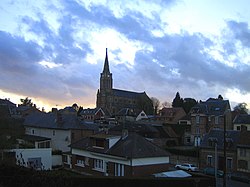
column 241, row 120
column 214, row 142
column 112, row 155
column 62, row 128
column 243, row 152
column 212, row 113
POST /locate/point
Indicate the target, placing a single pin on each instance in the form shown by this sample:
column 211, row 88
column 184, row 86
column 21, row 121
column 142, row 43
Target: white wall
column 60, row 139
column 44, row 154
column 121, row 160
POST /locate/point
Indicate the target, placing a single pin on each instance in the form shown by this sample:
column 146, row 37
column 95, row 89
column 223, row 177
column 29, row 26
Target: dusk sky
column 53, row 51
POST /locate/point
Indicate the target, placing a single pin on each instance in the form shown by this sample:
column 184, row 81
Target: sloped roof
column 127, row 94
column 135, row 146
column 218, row 134
column 131, row 146
column 135, row 127
column 242, row 119
column 50, row 120
column 126, row 112
column 211, row 107
column 7, row 102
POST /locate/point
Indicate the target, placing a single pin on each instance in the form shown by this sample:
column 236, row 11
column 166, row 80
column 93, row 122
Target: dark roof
column 211, row 107
column 135, row 127
column 57, row 121
column 242, row 119
column 126, row 112
column 135, row 146
column 131, row 146
column 218, row 135
column 32, row 138
column 7, row 102
column 127, row 94
column 90, row 111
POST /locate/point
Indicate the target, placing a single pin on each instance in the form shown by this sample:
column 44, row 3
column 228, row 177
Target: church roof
column 128, row 94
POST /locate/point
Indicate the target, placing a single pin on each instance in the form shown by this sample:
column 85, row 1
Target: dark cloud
column 175, row 62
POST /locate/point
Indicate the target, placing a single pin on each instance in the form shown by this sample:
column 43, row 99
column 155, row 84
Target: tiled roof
column 218, row 134
column 131, row 146
column 51, row 121
column 135, row 146
column 127, row 94
column 242, row 119
column 211, row 107
column 135, row 127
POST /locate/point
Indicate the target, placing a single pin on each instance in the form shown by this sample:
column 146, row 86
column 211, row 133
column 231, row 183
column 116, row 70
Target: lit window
column 98, row 164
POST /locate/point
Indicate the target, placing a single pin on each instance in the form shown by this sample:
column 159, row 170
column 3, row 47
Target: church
column 114, row 100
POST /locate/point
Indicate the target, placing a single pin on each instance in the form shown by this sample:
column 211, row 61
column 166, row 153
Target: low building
column 214, row 142
column 63, row 129
column 111, row 155
column 243, row 152
column 241, row 120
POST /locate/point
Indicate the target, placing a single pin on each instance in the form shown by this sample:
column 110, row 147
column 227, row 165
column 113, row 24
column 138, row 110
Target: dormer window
column 99, row 143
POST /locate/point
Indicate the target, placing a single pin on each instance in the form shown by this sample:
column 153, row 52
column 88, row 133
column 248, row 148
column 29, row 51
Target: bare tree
column 166, row 104
column 156, row 104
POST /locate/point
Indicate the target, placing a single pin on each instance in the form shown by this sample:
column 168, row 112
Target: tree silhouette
column 177, row 101
column 27, row 102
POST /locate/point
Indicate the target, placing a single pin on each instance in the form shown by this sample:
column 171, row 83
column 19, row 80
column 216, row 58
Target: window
column 216, row 120
column 65, row 158
column 119, row 169
column 197, row 130
column 238, row 128
column 54, row 132
column 197, row 119
column 33, row 131
column 188, row 140
column 242, row 152
column 209, row 160
column 80, row 163
column 98, row 164
column 229, row 163
column 99, row 143
column 242, row 164
column 72, row 135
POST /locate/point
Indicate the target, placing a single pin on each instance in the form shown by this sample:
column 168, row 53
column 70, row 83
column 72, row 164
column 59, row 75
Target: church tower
column 106, row 85
column 106, row 81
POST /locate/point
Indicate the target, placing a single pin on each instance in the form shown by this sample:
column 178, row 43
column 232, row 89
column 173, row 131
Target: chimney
column 54, row 110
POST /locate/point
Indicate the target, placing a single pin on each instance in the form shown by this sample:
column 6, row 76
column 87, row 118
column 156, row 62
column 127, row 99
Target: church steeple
column 106, row 81
column 106, row 64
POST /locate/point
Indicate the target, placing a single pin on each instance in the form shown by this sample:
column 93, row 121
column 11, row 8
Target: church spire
column 106, row 64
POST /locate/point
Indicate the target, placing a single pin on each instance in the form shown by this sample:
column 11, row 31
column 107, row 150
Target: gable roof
column 52, row 121
column 130, row 146
column 90, row 111
column 218, row 134
column 135, row 146
column 242, row 119
column 211, row 107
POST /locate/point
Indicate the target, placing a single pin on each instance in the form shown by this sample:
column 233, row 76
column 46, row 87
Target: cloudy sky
column 53, row 51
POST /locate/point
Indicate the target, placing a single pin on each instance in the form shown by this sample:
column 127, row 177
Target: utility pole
column 225, row 158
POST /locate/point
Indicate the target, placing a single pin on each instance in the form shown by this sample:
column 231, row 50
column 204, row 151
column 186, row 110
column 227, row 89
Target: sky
column 53, row 51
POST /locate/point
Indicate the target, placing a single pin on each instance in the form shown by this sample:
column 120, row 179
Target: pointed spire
column 106, row 64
